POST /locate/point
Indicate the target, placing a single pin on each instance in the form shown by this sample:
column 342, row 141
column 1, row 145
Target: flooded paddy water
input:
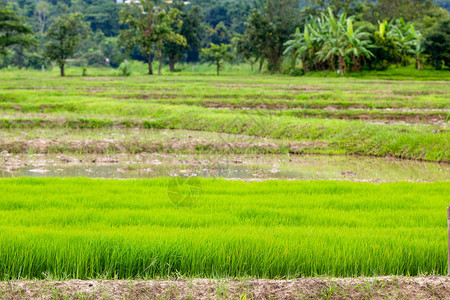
column 237, row 167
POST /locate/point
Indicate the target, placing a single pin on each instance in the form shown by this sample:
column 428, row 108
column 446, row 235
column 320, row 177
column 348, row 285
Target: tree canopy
column 12, row 30
column 217, row 55
column 149, row 25
column 65, row 35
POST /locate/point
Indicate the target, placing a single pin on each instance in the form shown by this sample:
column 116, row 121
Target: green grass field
column 372, row 117
column 81, row 228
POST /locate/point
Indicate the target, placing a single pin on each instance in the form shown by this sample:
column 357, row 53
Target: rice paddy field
column 217, row 183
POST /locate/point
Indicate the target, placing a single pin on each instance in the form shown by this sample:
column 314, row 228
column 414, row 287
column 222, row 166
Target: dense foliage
column 437, row 44
column 149, row 26
column 12, row 31
column 326, row 40
column 257, row 29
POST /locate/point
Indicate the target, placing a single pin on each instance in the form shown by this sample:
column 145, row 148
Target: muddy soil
column 432, row 287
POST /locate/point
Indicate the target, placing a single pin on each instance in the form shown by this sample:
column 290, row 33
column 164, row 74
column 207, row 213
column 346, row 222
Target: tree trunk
column 261, row 63
column 251, row 65
column 419, row 65
column 331, row 62
column 172, row 63
column 160, row 60
column 218, row 68
column 150, row 67
column 43, row 25
column 305, row 66
column 341, row 64
column 62, row 70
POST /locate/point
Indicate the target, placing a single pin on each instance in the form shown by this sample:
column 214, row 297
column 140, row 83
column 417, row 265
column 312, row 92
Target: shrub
column 125, row 69
column 437, row 45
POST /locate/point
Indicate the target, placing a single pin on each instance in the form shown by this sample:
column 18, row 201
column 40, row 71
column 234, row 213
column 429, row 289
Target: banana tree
column 303, row 47
column 327, row 38
column 384, row 44
column 296, row 46
column 416, row 46
column 319, row 31
column 403, row 39
column 359, row 44
column 335, row 40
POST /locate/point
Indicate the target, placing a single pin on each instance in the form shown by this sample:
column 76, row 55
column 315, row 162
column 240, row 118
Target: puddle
column 310, row 167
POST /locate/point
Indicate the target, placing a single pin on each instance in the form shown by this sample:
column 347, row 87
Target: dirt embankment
column 432, row 287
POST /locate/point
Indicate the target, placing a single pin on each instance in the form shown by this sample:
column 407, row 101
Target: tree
column 403, row 35
column 385, row 50
column 417, row 47
column 248, row 50
column 254, row 40
column 190, row 29
column 220, row 34
column 340, row 40
column 165, row 33
column 409, row 10
column 437, row 45
column 358, row 45
column 110, row 49
column 12, row 31
column 41, row 11
column 65, row 34
column 334, row 40
column 217, row 55
column 302, row 46
column 337, row 6
column 149, row 27
column 395, row 42
column 103, row 15
column 269, row 28
column 328, row 38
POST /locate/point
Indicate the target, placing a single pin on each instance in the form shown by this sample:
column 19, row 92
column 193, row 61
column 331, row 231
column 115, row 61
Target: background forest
column 258, row 32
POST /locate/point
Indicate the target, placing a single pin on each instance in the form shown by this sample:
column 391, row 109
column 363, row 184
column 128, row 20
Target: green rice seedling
column 80, row 228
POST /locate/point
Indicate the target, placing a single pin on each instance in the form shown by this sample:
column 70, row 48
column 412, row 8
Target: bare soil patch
column 432, row 287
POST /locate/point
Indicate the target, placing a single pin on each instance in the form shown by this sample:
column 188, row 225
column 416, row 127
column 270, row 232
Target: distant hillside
column 443, row 3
